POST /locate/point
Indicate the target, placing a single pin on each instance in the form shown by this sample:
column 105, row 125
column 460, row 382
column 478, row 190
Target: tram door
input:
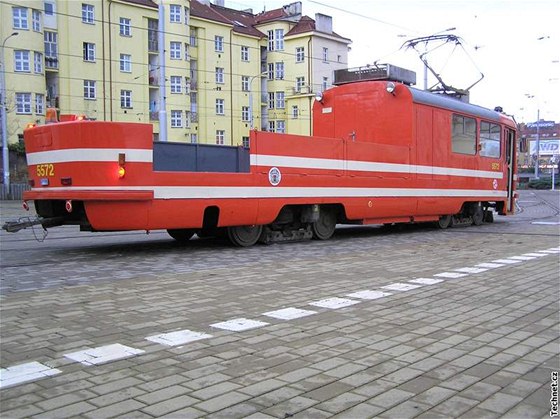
column 510, row 160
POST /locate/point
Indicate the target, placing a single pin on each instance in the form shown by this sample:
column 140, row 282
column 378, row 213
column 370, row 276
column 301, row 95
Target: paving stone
column 161, row 395
column 407, row 409
column 434, row 396
column 500, row 402
column 290, row 407
column 390, row 398
column 454, row 406
column 76, row 409
column 169, row 405
column 341, row 402
column 121, row 408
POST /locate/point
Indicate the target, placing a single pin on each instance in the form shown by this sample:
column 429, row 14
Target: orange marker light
column 121, row 172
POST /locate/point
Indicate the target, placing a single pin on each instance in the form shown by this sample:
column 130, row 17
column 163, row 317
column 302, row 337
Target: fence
column 15, row 193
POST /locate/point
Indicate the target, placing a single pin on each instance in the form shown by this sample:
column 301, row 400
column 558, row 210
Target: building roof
column 307, row 24
column 241, row 21
column 276, row 14
column 148, row 3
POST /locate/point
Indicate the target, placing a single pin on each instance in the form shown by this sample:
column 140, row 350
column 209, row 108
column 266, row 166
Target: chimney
column 323, row 23
column 293, row 9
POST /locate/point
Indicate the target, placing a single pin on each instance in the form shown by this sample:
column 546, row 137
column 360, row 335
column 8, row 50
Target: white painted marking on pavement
column 471, row 270
column 22, row 373
column 451, row 275
column 180, row 337
column 522, row 258
column 399, row 286
column 546, row 223
column 369, row 295
column 506, row 261
column 334, row 303
column 489, row 265
column 426, row 281
column 103, row 354
column 289, row 313
column 550, row 252
column 239, row 325
column 536, row 255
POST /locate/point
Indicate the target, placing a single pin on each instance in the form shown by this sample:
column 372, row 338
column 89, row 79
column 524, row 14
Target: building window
column 23, row 103
column 281, row 127
column 270, row 40
column 271, row 100
column 88, row 15
column 176, row 119
column 193, row 37
column 49, row 8
column 174, row 13
column 489, row 140
column 245, row 113
column 279, row 39
column 245, row 83
column 244, row 53
column 194, row 138
column 324, row 84
column 126, row 99
column 220, row 136
column 295, row 112
column 279, row 71
column 36, row 20
column 38, row 62
column 187, row 119
column 300, row 82
column 175, row 50
column 187, row 15
column 21, row 61
column 124, row 26
column 187, row 55
column 89, row 51
column 187, row 85
column 280, row 103
column 89, row 89
column 463, row 135
column 219, row 43
column 39, row 104
column 220, row 107
column 270, row 72
column 219, row 75
column 126, row 63
column 19, row 15
column 51, row 51
column 271, row 126
column 300, row 54
column 175, row 84
column 246, row 141
column 325, row 55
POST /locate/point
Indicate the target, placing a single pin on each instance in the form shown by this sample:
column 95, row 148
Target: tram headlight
column 391, row 87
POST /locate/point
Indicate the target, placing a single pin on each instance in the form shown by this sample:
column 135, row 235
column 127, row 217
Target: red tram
column 382, row 152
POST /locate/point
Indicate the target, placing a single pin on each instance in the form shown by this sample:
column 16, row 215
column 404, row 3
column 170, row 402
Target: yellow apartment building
column 224, row 70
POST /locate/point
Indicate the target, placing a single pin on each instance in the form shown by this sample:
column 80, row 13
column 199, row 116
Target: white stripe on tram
column 89, row 155
column 208, row 192
column 363, row 166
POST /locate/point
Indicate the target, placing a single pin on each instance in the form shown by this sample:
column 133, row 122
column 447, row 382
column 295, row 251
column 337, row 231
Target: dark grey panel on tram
column 187, row 157
column 446, row 102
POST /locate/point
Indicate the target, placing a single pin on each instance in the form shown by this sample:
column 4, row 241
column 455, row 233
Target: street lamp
column 538, row 136
column 263, row 74
column 3, row 107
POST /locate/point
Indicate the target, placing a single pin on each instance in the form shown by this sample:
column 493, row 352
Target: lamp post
column 263, row 74
column 5, row 152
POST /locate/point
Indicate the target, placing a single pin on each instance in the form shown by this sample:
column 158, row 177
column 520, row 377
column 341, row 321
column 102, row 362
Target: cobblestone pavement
column 457, row 322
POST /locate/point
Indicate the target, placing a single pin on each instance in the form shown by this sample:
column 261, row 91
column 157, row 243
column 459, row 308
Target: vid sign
column 546, row 147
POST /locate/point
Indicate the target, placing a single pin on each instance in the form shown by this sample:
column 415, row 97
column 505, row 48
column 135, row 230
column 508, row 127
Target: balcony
column 51, row 63
column 193, row 84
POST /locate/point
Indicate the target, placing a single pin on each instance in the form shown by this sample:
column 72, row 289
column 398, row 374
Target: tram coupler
column 26, row 222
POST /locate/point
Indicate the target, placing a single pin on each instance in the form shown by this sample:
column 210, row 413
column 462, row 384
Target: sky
column 514, row 43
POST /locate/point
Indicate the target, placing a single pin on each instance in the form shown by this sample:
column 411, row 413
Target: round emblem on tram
column 274, row 176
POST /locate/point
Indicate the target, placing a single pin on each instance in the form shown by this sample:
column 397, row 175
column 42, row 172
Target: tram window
column 463, row 135
column 489, row 140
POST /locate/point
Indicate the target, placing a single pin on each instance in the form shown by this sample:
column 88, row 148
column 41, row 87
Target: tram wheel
column 478, row 216
column 181, row 234
column 244, row 236
column 444, row 221
column 323, row 229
